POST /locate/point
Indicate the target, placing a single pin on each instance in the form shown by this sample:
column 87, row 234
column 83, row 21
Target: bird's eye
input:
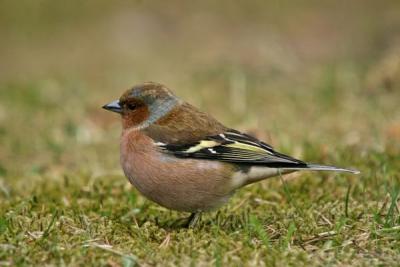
column 131, row 106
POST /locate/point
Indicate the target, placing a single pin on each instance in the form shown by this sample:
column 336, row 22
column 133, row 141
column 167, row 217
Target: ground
column 318, row 82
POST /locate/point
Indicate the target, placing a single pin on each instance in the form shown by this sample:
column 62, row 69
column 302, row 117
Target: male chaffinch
column 184, row 159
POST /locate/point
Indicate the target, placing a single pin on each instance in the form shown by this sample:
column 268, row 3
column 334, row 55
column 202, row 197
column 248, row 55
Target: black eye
column 131, row 106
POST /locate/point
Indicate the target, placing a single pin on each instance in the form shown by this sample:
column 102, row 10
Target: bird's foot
column 193, row 219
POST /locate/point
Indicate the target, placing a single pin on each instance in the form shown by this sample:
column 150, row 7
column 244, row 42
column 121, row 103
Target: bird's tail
column 316, row 167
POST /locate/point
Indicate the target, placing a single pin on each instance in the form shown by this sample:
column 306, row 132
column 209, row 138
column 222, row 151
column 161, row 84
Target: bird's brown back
column 184, row 124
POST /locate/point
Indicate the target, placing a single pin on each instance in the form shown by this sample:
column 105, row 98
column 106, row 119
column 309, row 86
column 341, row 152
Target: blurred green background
column 302, row 71
column 319, row 80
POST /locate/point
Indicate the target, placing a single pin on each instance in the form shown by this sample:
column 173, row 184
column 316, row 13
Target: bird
column 186, row 160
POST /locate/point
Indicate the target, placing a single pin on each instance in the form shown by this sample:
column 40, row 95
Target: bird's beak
column 114, row 107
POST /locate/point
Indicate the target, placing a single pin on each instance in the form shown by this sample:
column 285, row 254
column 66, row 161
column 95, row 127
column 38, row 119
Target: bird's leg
column 193, row 219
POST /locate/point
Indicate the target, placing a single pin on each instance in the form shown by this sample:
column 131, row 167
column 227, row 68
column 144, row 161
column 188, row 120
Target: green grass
column 65, row 202
column 64, row 205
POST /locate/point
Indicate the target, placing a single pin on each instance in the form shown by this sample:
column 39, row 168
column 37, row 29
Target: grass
column 64, row 200
column 57, row 211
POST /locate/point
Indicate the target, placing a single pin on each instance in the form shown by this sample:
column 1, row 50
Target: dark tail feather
column 316, row 167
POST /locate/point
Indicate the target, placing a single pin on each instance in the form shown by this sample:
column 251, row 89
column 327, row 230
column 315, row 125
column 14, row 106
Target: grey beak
column 114, row 107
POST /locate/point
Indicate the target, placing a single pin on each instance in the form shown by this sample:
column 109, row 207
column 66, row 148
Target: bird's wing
column 235, row 147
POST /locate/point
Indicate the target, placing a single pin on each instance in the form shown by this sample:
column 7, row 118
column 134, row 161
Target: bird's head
column 143, row 104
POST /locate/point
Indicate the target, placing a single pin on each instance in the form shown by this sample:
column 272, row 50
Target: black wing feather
column 235, row 147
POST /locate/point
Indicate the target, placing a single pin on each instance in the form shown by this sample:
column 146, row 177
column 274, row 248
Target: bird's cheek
column 135, row 118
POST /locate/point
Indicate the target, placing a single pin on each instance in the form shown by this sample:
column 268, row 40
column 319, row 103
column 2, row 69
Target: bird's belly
column 180, row 184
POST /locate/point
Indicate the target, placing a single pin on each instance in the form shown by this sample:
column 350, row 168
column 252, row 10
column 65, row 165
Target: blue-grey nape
column 159, row 105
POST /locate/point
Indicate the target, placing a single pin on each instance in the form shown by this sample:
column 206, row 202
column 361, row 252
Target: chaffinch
column 184, row 159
